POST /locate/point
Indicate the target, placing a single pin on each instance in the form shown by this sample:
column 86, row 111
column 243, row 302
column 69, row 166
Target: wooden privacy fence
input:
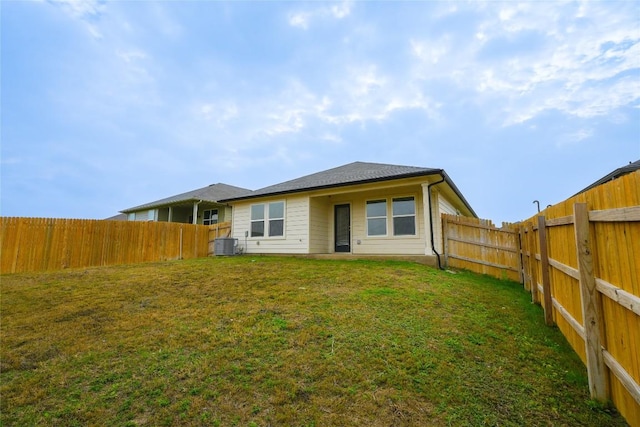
column 580, row 259
column 477, row 245
column 222, row 229
column 42, row 244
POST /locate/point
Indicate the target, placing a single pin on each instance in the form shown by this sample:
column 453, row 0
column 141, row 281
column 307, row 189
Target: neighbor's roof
column 631, row 167
column 119, row 217
column 350, row 174
column 212, row 193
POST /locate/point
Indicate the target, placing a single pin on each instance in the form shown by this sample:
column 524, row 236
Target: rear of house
column 358, row 209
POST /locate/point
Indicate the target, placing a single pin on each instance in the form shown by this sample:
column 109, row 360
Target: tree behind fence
column 44, row 244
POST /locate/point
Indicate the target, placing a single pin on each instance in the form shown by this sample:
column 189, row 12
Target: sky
column 110, row 105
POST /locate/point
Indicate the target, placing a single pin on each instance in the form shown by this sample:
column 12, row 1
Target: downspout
column 433, row 246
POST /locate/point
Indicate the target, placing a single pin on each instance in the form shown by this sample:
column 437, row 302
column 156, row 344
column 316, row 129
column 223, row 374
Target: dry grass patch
column 261, row 341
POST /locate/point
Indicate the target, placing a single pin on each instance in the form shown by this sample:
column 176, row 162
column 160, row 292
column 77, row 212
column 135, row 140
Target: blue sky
column 109, row 105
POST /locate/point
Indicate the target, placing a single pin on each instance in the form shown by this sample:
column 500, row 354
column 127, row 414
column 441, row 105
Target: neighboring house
column 359, row 208
column 631, row 167
column 119, row 217
column 199, row 206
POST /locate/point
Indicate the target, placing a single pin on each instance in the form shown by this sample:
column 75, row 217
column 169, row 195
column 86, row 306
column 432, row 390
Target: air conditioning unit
column 224, row 246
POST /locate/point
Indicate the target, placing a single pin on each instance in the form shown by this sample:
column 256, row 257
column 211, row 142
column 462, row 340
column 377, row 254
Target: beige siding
column 224, row 214
column 443, row 205
column 295, row 239
column 309, row 221
column 319, row 232
column 447, row 207
column 383, row 245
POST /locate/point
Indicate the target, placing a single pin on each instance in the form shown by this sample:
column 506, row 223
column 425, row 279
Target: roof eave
column 458, row 193
column 329, row 186
column 624, row 170
column 440, row 172
column 173, row 203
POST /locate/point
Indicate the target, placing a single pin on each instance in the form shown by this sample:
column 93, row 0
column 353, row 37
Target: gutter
column 433, row 246
column 440, row 172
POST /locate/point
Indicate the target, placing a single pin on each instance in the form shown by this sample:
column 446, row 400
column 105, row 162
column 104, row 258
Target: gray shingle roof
column 119, row 217
column 350, row 174
column 353, row 173
column 212, row 193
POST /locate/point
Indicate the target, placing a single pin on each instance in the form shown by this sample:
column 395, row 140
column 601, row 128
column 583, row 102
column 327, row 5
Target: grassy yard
column 266, row 341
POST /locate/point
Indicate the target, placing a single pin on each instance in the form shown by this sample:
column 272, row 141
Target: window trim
column 204, row 214
column 414, row 215
column 386, row 217
column 266, row 220
column 390, row 229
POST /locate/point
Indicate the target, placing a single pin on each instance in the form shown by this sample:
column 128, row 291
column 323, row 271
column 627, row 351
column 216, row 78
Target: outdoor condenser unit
column 225, row 246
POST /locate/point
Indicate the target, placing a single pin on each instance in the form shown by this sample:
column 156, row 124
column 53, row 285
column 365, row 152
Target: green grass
column 266, row 341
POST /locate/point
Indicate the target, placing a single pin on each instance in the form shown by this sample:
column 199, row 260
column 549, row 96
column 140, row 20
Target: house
column 119, row 217
column 199, row 206
column 358, row 209
column 621, row 171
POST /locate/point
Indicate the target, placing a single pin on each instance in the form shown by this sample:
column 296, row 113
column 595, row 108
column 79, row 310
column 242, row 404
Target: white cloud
column 341, row 10
column 299, row 19
column 430, row 51
column 538, row 57
column 81, row 8
column 302, row 19
column 218, row 113
column 85, row 11
column 573, row 138
column 131, row 55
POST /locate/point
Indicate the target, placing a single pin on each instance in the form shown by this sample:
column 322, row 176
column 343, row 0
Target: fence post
column 445, row 234
column 526, row 282
column 533, row 267
column 520, row 256
column 546, row 281
column 591, row 305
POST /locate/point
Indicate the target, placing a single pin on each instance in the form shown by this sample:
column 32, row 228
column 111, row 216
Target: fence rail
column 580, row 259
column 599, row 318
column 478, row 245
column 44, row 244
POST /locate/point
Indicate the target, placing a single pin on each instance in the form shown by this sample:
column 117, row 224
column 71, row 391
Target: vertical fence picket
column 591, row 306
column 445, row 236
column 42, row 244
column 546, row 280
column 603, row 330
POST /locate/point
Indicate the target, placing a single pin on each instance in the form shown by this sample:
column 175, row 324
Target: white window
column 257, row 221
column 149, row 215
column 276, row 219
column 377, row 218
column 210, row 217
column 267, row 219
column 404, row 216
